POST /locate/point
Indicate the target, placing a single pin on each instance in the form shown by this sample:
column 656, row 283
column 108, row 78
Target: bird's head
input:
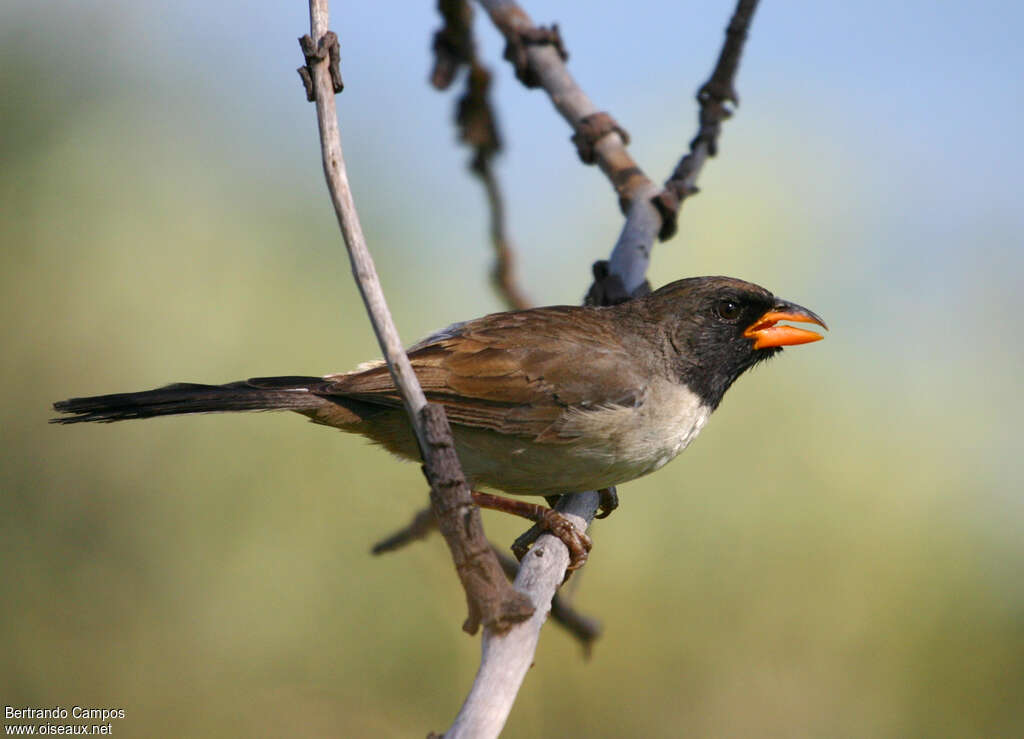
column 719, row 327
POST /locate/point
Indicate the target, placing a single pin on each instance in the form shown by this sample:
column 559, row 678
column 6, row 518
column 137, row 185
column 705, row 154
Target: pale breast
column 591, row 449
column 608, row 446
column 644, row 438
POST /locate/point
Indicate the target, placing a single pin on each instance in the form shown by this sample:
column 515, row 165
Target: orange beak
column 766, row 334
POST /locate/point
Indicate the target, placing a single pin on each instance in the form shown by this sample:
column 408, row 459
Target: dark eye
column 728, row 309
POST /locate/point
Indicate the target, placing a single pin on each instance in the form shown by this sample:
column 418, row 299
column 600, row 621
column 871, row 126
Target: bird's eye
column 728, row 310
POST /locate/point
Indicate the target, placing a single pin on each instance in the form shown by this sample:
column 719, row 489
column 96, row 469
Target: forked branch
column 539, row 57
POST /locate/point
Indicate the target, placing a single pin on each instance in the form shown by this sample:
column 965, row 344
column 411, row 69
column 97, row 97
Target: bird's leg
column 608, row 502
column 578, row 542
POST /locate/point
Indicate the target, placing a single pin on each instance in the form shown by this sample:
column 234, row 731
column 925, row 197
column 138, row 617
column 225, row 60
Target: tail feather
column 256, row 394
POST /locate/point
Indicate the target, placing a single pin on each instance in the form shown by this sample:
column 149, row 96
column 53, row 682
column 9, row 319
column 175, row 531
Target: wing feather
column 501, row 372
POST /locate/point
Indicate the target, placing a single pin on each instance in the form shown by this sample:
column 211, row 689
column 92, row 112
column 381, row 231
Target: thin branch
column 539, row 58
column 504, row 275
column 650, row 211
column 477, row 123
column 453, row 43
column 713, row 96
column 650, row 218
column 478, row 127
column 489, row 597
column 598, row 140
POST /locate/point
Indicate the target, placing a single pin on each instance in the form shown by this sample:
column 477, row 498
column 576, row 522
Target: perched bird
column 542, row 401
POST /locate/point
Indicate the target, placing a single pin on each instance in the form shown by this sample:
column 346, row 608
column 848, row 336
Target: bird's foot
column 578, row 543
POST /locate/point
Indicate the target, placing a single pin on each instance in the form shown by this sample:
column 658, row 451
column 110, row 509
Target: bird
column 542, row 401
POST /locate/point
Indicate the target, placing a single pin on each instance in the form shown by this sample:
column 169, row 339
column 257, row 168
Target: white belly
column 601, row 447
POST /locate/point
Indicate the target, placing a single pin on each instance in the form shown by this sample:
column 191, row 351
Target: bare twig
column 599, row 140
column 658, row 217
column 477, row 123
column 539, row 58
column 453, row 43
column 650, row 211
column 490, row 599
column 478, row 128
column 713, row 97
column 504, row 275
column 475, row 112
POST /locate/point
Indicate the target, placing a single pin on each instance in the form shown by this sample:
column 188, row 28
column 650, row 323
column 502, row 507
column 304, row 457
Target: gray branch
column 363, row 269
column 490, row 598
column 505, row 658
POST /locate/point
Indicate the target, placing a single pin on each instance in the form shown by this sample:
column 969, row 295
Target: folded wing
column 493, row 373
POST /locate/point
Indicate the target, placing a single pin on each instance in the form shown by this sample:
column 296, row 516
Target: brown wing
column 517, row 373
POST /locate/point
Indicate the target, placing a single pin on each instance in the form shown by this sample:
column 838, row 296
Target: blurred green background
column 840, row 554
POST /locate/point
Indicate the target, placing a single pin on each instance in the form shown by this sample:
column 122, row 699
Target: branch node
column 475, row 118
column 592, row 128
column 518, row 39
column 327, row 48
column 720, row 87
column 713, row 111
column 714, row 97
column 453, row 43
column 667, row 203
column 628, row 182
column 608, row 288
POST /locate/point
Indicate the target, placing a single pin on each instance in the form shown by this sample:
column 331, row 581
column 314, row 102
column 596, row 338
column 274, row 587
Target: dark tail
column 257, row 394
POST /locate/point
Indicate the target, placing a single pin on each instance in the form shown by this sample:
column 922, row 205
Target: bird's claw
column 577, row 542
